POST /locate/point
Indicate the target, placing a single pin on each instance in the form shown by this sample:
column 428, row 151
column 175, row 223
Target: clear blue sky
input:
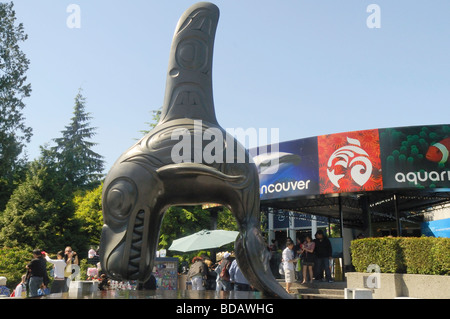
column 305, row 67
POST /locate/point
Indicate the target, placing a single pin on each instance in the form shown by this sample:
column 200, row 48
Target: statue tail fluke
column 189, row 79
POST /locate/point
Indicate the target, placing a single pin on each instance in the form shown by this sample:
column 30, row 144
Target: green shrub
column 441, row 256
column 384, row 252
column 424, row 255
column 12, row 264
column 417, row 254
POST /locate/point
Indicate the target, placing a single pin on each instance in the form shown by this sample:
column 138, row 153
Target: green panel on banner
column 415, row 157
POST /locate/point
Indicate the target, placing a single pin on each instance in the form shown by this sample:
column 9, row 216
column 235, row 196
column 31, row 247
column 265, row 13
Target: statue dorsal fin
column 189, row 78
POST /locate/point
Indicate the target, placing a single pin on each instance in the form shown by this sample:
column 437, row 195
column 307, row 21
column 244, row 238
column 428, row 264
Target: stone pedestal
column 357, row 293
column 78, row 288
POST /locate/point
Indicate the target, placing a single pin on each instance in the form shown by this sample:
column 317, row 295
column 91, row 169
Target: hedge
column 412, row 255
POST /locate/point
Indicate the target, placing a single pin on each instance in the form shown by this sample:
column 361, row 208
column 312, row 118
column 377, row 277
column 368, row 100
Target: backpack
column 196, row 269
column 224, row 274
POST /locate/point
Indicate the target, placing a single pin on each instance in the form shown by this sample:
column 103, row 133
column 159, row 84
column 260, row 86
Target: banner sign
column 360, row 161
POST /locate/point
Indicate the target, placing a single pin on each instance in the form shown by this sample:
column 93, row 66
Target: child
column 43, row 290
column 21, row 289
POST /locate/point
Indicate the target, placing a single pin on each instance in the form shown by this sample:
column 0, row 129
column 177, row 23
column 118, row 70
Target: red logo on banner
column 349, row 162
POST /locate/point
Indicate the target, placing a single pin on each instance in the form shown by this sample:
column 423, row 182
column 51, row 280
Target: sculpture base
column 160, row 294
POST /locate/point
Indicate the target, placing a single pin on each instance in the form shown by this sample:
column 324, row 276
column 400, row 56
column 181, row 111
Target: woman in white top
column 58, row 265
column 288, row 265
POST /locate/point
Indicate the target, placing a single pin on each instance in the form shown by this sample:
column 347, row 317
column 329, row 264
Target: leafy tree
column 180, row 221
column 40, row 212
column 89, row 213
column 73, row 154
column 226, row 220
column 14, row 134
column 12, row 264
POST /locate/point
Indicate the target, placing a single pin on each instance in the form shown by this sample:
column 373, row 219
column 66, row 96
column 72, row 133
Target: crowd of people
column 306, row 261
column 302, row 261
column 36, row 280
column 203, row 274
column 225, row 275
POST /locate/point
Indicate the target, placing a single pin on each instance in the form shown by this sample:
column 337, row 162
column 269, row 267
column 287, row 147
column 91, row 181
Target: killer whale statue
column 146, row 180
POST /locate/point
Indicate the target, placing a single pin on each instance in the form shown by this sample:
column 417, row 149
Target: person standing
column 59, row 265
column 223, row 274
column 323, row 252
column 197, row 272
column 71, row 258
column 308, row 258
column 288, row 265
column 237, row 277
column 212, row 275
column 37, row 272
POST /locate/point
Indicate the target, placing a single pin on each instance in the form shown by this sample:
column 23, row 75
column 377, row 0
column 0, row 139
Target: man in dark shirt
column 37, row 272
column 323, row 252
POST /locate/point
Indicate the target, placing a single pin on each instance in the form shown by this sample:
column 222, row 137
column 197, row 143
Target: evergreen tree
column 155, row 119
column 73, row 154
column 40, row 212
column 14, row 134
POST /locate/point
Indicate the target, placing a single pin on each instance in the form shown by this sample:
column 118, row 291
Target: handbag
column 224, row 274
column 281, row 268
column 299, row 265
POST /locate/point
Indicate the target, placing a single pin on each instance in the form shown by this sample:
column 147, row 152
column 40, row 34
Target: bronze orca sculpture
column 146, row 179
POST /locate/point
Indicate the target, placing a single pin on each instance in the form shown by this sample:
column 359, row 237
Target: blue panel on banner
column 289, row 170
column 437, row 228
column 280, row 221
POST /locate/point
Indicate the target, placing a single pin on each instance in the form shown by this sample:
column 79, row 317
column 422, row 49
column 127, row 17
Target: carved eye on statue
column 120, row 198
column 191, row 54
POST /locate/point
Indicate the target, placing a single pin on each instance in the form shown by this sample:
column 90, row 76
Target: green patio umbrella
column 204, row 239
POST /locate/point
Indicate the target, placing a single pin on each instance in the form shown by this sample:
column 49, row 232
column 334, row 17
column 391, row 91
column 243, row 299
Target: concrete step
column 320, row 296
column 321, row 293
column 317, row 284
column 318, row 289
column 336, row 292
